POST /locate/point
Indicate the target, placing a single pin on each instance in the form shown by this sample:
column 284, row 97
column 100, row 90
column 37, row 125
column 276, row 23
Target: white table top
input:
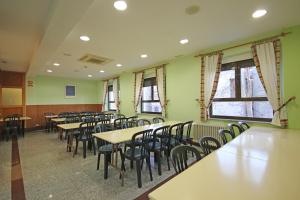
column 21, row 118
column 123, row 135
column 261, row 164
column 75, row 125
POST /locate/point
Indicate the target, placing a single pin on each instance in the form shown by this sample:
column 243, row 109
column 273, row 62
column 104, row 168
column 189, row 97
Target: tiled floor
column 49, row 172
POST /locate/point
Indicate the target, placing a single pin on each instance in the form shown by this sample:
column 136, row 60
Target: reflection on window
column 240, row 94
column 150, row 98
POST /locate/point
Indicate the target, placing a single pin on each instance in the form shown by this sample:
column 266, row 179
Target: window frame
column 238, row 65
column 110, row 89
column 153, row 83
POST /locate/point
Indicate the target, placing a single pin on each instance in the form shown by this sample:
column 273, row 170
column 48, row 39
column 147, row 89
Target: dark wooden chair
column 138, row 153
column 179, row 157
column 209, row 144
column 225, row 134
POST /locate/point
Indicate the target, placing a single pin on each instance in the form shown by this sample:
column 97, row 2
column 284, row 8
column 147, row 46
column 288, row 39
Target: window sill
column 238, row 120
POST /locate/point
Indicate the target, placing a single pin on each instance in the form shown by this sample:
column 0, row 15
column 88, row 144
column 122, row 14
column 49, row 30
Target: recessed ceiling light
column 144, row 56
column 120, row 5
column 119, row 65
column 84, row 38
column 56, row 64
column 89, row 75
column 49, row 71
column 184, row 41
column 101, row 71
column 259, row 13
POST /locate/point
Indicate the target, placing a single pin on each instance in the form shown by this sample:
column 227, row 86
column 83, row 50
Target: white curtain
column 138, row 85
column 268, row 66
column 160, row 79
column 105, row 85
column 210, row 71
column 116, row 93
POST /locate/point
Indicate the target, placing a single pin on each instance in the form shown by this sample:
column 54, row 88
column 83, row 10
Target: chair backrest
column 86, row 129
column 118, row 115
column 143, row 136
column 179, row 157
column 120, row 123
column 100, row 127
column 156, row 120
column 142, row 122
column 177, row 129
column 164, row 134
column 225, row 134
column 131, row 121
column 209, row 144
column 235, row 129
column 244, row 125
column 187, row 127
column 12, row 121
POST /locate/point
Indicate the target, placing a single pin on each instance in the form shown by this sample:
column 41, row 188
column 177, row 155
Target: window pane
column 147, row 93
column 111, row 96
column 251, row 85
column 226, row 85
column 112, row 106
column 155, row 93
column 257, row 109
column 151, row 107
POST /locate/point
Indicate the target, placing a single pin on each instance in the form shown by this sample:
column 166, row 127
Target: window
column 70, row 91
column 150, row 100
column 240, row 94
column 111, row 99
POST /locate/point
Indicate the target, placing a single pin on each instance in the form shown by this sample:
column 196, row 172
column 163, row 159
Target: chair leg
column 167, row 154
column 149, row 166
column 158, row 162
column 94, row 146
column 98, row 161
column 106, row 165
column 84, row 149
column 138, row 172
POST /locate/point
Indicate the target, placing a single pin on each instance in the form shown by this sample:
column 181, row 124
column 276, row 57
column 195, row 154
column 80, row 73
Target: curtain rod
column 150, row 68
column 247, row 43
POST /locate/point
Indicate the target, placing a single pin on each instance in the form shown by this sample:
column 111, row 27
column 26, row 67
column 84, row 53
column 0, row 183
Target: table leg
column 23, row 127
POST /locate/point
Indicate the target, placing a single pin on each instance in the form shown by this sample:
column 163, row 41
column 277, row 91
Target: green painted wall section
column 183, row 81
column 51, row 90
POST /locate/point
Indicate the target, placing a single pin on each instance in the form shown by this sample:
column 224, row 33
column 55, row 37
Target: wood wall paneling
column 36, row 112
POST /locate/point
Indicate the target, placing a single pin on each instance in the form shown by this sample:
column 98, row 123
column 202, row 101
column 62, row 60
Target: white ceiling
column 152, row 27
column 21, row 27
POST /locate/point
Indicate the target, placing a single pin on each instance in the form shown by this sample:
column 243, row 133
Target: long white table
column 260, row 164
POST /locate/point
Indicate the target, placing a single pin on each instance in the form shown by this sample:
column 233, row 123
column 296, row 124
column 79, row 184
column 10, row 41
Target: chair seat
column 157, row 146
column 105, row 148
column 136, row 155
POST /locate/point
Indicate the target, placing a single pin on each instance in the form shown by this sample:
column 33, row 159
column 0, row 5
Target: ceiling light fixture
column 101, row 71
column 119, row 65
column 49, row 71
column 84, row 38
column 56, row 64
column 259, row 13
column 144, row 56
column 184, row 41
column 120, row 5
column 89, row 75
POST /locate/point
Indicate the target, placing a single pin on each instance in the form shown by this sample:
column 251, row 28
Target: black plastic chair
column 120, row 123
column 131, row 121
column 179, row 157
column 143, row 122
column 186, row 136
column 85, row 135
column 177, row 138
column 117, row 116
column 138, row 153
column 48, row 123
column 244, row 125
column 156, row 120
column 12, row 126
column 225, row 134
column 235, row 129
column 209, row 144
column 104, row 147
column 157, row 147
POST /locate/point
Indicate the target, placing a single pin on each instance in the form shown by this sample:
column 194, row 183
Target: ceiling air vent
column 93, row 59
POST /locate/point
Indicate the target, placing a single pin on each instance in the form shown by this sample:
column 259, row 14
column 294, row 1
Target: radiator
column 200, row 130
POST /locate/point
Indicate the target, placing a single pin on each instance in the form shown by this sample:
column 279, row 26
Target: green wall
column 183, row 81
column 51, row 90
